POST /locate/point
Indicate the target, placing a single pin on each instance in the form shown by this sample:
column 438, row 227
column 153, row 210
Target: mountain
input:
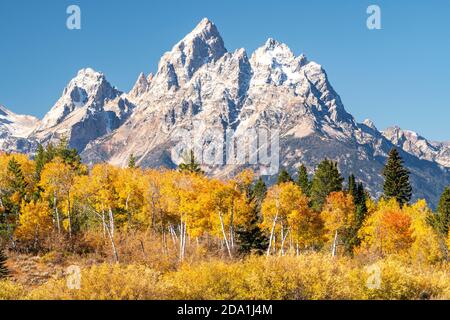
column 419, row 146
column 88, row 108
column 203, row 91
column 208, row 99
column 15, row 129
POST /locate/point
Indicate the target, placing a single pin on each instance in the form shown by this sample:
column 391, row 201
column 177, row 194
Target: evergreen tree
column 303, row 180
column 360, row 202
column 69, row 155
column 132, row 162
column 17, row 181
column 351, row 188
column 3, row 269
column 326, row 179
column 190, row 164
column 441, row 220
column 40, row 161
column 396, row 179
column 284, row 176
column 250, row 237
column 359, row 199
column 259, row 191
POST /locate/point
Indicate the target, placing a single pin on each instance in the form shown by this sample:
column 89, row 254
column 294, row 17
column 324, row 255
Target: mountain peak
column 274, row 51
column 141, row 86
column 369, row 123
column 201, row 46
column 89, row 88
column 204, row 25
column 89, row 72
column 271, row 43
column 14, row 124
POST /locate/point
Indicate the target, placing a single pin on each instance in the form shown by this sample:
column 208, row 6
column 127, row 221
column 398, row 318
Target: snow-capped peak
column 140, row 87
column 88, row 89
column 369, row 123
column 274, row 52
column 201, row 46
column 16, row 125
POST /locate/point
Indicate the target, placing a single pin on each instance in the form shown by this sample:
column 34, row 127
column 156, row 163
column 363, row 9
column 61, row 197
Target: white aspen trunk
column 272, row 234
column 68, row 217
column 111, row 221
column 126, row 203
column 274, row 244
column 111, row 238
column 334, row 248
column 283, row 240
column 297, row 249
column 55, row 207
column 174, row 235
column 184, row 241
column 181, row 240
column 225, row 235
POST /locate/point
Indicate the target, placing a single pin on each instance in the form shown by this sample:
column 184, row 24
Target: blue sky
column 397, row 75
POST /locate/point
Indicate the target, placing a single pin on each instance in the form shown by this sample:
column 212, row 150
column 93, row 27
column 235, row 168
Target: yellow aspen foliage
column 448, row 241
column 35, row 221
column 387, row 230
column 426, row 245
column 27, row 168
column 152, row 212
column 286, row 213
column 129, row 190
column 57, row 181
column 338, row 215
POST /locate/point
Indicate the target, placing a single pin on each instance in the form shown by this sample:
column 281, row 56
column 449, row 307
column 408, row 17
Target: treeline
column 56, row 199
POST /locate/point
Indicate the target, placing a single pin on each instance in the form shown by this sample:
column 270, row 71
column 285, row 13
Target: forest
column 139, row 233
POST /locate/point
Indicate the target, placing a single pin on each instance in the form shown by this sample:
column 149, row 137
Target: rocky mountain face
column 14, row 130
column 208, row 99
column 418, row 146
column 88, row 109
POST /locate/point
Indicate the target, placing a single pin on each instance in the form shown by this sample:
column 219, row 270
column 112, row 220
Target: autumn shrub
column 105, row 282
column 11, row 291
column 312, row 276
column 401, row 280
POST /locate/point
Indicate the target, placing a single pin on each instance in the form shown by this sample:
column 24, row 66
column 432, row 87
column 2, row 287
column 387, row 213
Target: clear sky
column 397, row 75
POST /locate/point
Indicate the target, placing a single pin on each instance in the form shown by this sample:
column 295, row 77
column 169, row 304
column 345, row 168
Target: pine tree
column 284, row 176
column 326, row 179
column 303, row 180
column 259, row 191
column 69, row 155
column 359, row 199
column 3, row 269
column 132, row 162
column 40, row 161
column 351, row 188
column 441, row 220
column 190, row 164
column 250, row 238
column 396, row 179
column 17, row 182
